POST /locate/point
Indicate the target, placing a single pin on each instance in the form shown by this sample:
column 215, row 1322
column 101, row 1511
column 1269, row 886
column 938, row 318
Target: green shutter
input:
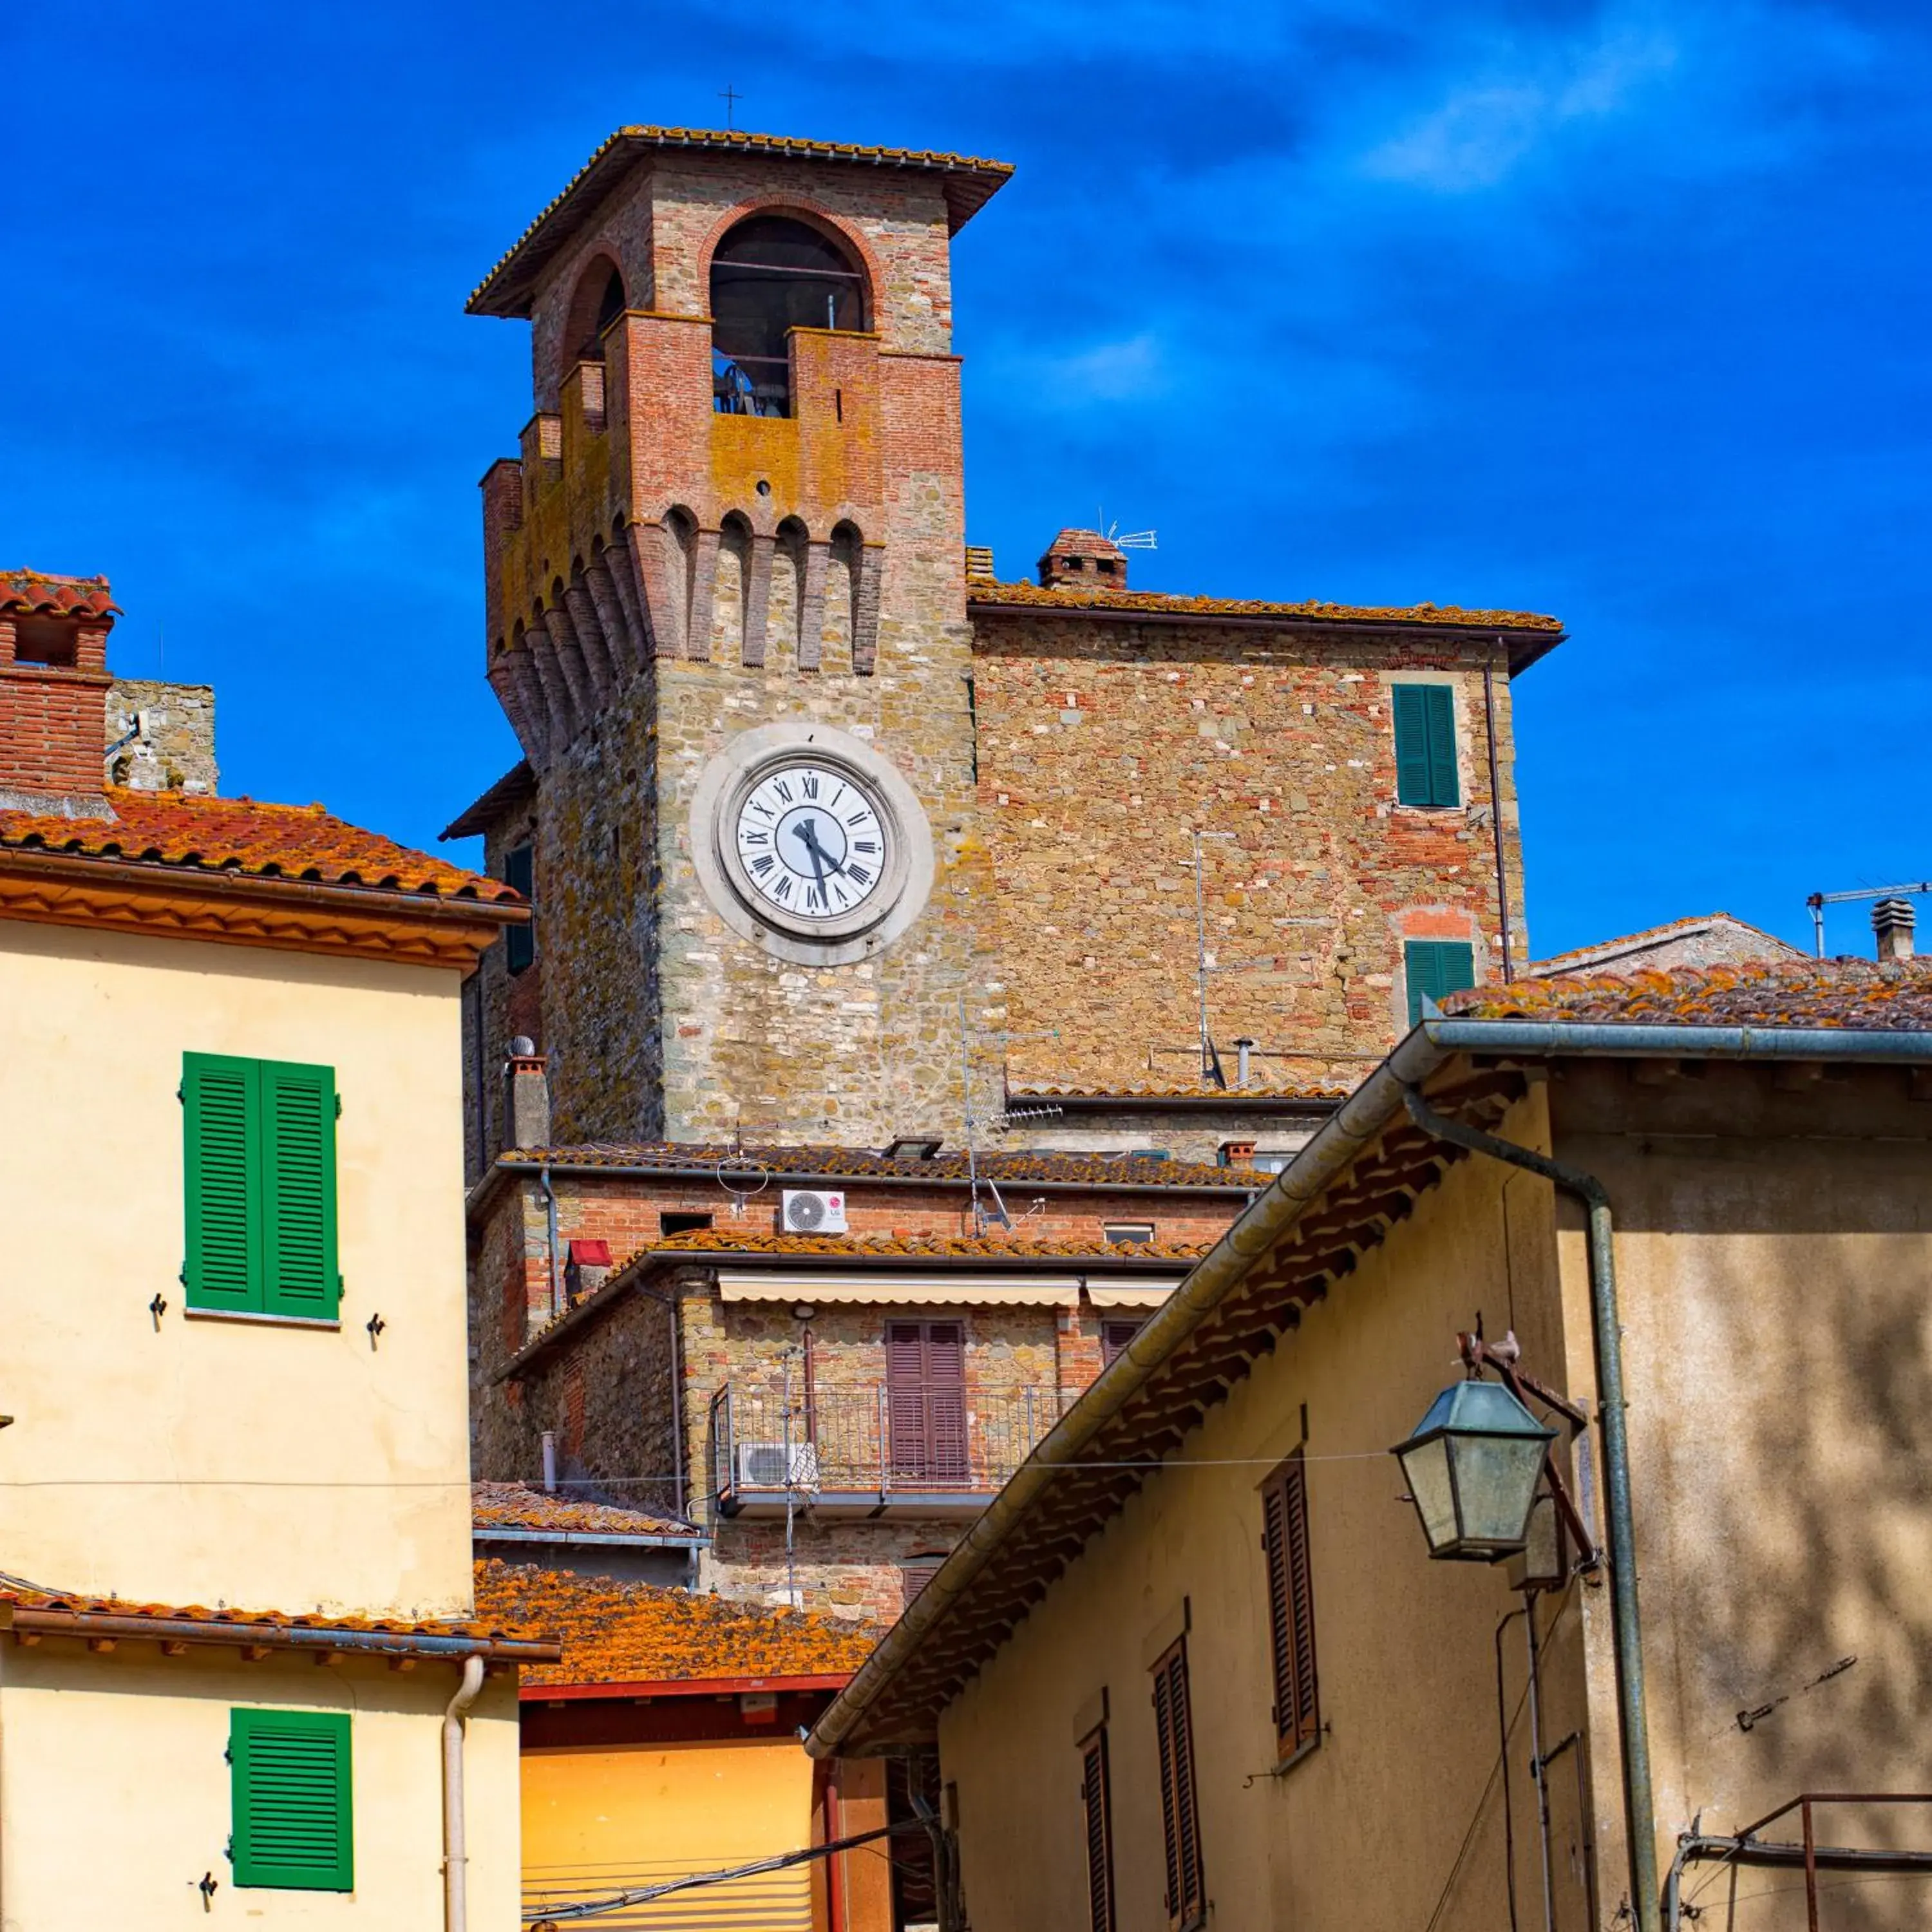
column 221, row 1108
column 519, row 942
column 293, row 1827
column 299, row 1260
column 1425, row 745
column 1435, row 968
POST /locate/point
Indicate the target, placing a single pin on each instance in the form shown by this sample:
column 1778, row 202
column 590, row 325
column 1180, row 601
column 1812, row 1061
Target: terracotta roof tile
column 981, row 592
column 626, row 1633
column 516, row 1506
column 299, row 843
column 853, row 1164
column 518, row 784
column 1174, row 1090
column 922, row 1247
column 1859, row 993
column 28, row 593
column 1676, row 928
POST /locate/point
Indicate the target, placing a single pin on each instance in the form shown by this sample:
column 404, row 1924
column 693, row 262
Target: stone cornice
column 227, row 909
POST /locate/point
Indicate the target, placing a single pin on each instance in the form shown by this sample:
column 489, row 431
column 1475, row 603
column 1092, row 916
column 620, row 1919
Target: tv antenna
column 1818, row 901
column 996, row 1122
column 1131, row 540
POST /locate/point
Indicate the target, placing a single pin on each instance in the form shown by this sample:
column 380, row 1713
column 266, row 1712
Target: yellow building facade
column 240, row 1675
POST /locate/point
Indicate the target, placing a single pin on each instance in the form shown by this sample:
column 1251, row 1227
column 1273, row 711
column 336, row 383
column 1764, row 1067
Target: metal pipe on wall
column 455, row 1849
column 1639, row 1804
column 1496, row 817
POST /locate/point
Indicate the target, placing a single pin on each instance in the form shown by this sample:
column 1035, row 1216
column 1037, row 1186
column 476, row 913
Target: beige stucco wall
column 115, row 1796
column 1366, row 1830
column 197, row 1460
column 1773, row 1252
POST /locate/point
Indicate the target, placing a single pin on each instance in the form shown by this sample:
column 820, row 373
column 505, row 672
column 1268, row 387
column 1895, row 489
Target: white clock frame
column 900, row 896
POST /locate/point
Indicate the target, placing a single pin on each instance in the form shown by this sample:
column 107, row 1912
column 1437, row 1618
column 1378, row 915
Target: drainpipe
column 683, row 1501
column 455, row 1854
column 550, row 1216
column 1639, row 1807
column 1496, row 814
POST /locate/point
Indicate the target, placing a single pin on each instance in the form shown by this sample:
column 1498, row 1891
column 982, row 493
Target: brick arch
column 586, row 297
column 813, row 214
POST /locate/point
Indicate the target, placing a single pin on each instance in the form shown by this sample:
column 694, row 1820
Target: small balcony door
column 925, row 1400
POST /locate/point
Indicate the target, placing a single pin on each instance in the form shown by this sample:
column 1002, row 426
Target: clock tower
column 726, row 619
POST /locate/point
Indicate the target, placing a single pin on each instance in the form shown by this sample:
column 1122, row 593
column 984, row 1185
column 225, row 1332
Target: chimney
column 1237, row 1154
column 1892, row 921
column 1244, row 1047
column 525, row 1095
column 1084, row 560
column 53, row 693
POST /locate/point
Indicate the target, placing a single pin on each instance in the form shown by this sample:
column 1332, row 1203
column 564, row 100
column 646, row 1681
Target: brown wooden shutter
column 905, row 1398
column 946, row 1399
column 1114, row 1336
column 1096, row 1799
column 925, row 1401
column 1180, row 1816
column 1291, row 1591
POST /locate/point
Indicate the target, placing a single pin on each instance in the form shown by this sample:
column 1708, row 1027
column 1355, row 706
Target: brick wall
column 50, row 725
column 1103, row 744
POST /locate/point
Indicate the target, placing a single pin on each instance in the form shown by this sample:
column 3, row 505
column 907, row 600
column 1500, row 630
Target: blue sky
column 1612, row 310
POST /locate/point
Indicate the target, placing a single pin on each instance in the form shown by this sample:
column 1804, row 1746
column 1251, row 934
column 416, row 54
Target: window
column 1127, row 1234
column 771, row 274
column 1180, row 1813
column 1297, row 1721
column 1434, row 969
column 925, row 1401
column 520, row 874
column 1096, row 1801
column 289, row 1770
column 914, row 1575
column 260, row 1195
column 1425, row 745
column 671, row 1223
column 1114, row 1336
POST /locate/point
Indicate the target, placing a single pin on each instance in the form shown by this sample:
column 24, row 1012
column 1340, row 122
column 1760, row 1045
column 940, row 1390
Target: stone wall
column 1103, row 746
column 171, row 747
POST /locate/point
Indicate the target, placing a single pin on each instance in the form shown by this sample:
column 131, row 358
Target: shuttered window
column 925, row 1401
column 1186, row 1896
column 1096, row 1803
column 259, row 1162
column 1114, row 1337
column 1425, row 745
column 1290, row 1593
column 1434, row 969
column 291, row 1825
column 519, row 942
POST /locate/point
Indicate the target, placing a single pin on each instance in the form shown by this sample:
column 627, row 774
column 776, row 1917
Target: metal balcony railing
column 883, row 1441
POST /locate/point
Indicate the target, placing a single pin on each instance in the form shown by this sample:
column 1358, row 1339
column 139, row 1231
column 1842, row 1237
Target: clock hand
column 805, row 830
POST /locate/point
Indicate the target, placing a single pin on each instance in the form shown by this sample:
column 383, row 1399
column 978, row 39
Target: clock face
column 811, row 841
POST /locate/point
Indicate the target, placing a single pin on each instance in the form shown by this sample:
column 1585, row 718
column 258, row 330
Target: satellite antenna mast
column 1004, row 1118
column 1818, row 901
column 1133, row 539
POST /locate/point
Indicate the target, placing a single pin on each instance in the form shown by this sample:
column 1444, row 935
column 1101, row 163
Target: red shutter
column 1180, row 1817
column 1291, row 1592
column 1097, row 1801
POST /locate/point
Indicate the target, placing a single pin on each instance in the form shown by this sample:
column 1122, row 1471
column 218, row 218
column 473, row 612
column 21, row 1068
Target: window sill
column 1300, row 1754
column 262, row 1321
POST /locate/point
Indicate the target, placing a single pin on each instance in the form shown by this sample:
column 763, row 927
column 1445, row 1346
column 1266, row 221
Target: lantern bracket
column 1477, row 1355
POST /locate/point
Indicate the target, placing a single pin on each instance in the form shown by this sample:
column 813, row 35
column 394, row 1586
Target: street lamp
column 1472, row 1466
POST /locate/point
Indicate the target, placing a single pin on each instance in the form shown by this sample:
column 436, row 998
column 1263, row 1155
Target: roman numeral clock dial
column 809, row 842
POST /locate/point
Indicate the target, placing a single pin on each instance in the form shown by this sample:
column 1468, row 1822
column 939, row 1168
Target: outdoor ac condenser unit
column 806, row 1210
column 761, row 1466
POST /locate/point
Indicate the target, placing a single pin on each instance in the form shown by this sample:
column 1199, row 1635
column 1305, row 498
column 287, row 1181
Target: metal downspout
column 550, row 1217
column 1639, row 1805
column 1496, row 809
column 455, row 1851
column 682, row 1509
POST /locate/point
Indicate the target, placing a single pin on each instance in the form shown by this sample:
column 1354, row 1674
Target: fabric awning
column 984, row 1291
column 1129, row 1294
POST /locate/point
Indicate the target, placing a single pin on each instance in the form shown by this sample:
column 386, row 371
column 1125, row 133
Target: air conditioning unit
column 761, row 1466
column 806, row 1210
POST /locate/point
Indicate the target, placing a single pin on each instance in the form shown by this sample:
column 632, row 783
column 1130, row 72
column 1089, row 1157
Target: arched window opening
column 771, row 274
column 589, row 323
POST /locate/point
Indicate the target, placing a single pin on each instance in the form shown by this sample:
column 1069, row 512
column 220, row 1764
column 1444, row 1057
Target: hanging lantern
column 1472, row 1467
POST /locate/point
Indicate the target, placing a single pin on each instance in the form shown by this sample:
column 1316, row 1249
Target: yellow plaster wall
column 115, row 1795
column 200, row 1461
column 600, row 1818
column 1366, row 1830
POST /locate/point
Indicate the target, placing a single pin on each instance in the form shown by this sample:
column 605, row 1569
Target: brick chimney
column 1084, row 560
column 1892, row 921
column 526, row 1096
column 53, row 692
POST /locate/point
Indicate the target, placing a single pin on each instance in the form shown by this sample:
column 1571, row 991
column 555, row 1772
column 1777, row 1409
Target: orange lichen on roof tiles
column 981, row 593
column 32, row 593
column 1653, row 934
column 920, row 1247
column 627, row 1633
column 302, row 844
column 1835, row 994
column 1175, row 1089
column 855, row 1164
column 516, row 1506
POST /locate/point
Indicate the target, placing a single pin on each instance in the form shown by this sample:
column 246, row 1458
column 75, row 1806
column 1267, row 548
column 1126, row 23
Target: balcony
column 885, row 1450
